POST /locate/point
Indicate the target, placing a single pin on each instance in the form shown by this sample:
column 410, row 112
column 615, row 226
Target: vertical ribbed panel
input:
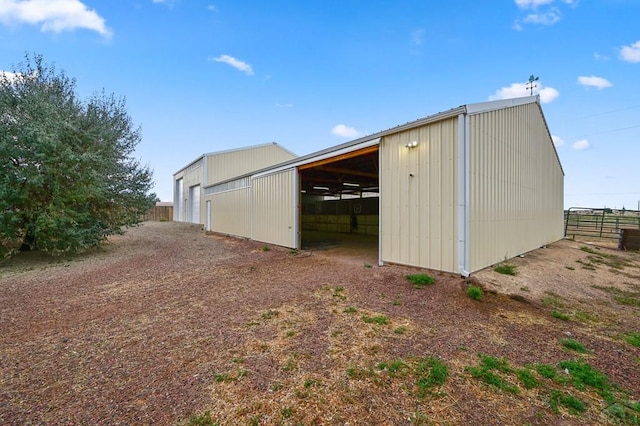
column 231, row 212
column 418, row 213
column 190, row 176
column 515, row 185
column 274, row 207
column 228, row 165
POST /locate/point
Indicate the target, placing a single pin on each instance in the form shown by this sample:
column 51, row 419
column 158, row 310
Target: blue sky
column 204, row 76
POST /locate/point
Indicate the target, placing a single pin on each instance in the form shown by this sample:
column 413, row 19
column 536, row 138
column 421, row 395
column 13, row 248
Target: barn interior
column 340, row 201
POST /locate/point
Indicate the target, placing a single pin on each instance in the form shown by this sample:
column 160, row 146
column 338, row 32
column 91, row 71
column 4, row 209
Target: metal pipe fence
column 599, row 222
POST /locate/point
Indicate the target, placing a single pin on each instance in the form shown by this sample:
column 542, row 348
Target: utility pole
column 530, row 86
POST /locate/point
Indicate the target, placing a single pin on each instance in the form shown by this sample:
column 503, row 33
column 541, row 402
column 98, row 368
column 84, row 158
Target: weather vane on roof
column 530, row 84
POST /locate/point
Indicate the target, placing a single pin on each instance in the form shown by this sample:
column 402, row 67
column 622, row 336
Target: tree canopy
column 67, row 175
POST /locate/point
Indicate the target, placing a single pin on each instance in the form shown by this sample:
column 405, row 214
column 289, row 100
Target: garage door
column 194, row 203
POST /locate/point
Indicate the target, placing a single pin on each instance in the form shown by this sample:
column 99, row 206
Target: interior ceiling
column 359, row 169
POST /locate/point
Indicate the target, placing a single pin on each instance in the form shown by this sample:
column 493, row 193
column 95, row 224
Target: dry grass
column 167, row 322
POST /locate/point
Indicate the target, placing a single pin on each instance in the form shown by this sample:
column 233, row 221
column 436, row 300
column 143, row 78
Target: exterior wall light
column 412, row 144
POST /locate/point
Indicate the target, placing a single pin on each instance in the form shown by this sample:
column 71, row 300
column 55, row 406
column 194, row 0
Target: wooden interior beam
column 352, row 154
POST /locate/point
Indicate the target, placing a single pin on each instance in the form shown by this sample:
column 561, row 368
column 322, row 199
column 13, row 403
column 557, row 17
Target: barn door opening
column 340, row 202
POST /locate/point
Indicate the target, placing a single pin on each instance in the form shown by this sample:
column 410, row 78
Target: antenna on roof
column 530, row 86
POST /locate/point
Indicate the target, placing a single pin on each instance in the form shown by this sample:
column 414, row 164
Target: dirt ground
column 168, row 325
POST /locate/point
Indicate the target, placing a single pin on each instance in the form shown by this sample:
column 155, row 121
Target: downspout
column 463, row 194
column 380, row 194
column 251, row 208
column 296, row 210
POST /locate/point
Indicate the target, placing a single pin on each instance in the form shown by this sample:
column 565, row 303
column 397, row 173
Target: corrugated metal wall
column 231, row 212
column 418, row 213
column 515, row 185
column 228, row 165
column 274, row 208
column 191, row 176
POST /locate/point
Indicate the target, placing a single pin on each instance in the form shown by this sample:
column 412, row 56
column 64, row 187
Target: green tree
column 67, row 176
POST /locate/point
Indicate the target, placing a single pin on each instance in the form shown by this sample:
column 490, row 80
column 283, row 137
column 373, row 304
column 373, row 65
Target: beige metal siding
column 231, row 212
column 191, row 176
column 515, row 185
column 418, row 213
column 274, row 207
column 228, row 165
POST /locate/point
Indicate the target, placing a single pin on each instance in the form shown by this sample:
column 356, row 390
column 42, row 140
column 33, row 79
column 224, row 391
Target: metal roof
column 374, row 138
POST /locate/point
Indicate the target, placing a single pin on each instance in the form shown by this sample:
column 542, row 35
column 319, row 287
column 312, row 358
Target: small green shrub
column 587, row 249
column 420, row 280
column 271, row 313
column 506, row 269
column 350, row 310
column 379, row 319
column 552, row 300
column 574, row 345
column 491, row 379
column 582, row 375
column 430, row 372
column 546, row 370
column 632, row 338
column 584, row 316
column 474, row 292
column 485, row 372
column 560, row 315
column 360, row 373
column 266, row 248
column 367, row 265
column 399, row 330
column 527, row 378
column 203, row 419
column 311, row 382
column 394, row 368
column 286, row 412
column 490, row 362
column 222, row 377
column 573, row 404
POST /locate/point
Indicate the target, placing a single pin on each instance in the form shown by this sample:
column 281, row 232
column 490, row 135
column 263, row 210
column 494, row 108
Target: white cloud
column 598, row 57
column 593, row 81
column 526, row 4
column 533, row 4
column 345, row 131
column 557, row 140
column 417, row 36
column 235, row 63
column 631, row 53
column 547, row 18
column 518, row 90
column 211, row 8
column 548, row 94
column 11, row 76
column 541, row 12
column 53, row 15
column 581, row 145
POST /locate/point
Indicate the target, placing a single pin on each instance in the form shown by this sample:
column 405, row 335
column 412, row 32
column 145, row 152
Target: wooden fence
column 159, row 214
